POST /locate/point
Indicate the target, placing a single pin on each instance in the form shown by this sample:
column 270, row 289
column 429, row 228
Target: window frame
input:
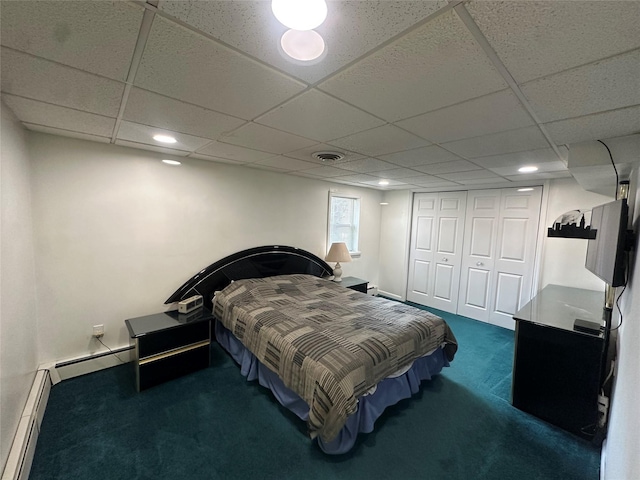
column 357, row 214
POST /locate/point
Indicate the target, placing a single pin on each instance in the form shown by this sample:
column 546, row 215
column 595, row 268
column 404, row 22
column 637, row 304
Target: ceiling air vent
column 328, row 157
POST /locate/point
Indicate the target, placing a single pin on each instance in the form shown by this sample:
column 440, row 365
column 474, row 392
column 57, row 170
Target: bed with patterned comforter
column 327, row 343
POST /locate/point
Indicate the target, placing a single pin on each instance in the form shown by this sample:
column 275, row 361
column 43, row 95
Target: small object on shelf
column 190, row 304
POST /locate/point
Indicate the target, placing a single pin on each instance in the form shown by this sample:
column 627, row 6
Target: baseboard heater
column 24, row 443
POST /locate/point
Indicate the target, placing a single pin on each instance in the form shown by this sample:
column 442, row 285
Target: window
column 344, row 221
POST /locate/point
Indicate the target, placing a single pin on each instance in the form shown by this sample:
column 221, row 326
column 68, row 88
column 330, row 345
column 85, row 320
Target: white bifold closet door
column 436, row 249
column 501, row 231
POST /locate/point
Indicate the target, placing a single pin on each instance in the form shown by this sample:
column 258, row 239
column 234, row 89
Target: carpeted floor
column 213, row 424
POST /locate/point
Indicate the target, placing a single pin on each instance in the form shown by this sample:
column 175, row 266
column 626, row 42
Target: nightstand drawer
column 173, row 338
column 164, row 368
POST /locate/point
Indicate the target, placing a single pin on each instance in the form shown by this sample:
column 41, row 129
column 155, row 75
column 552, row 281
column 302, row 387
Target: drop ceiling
column 424, row 94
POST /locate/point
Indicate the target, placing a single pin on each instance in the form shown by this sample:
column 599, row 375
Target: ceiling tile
column 184, row 65
column 545, row 167
column 350, row 30
column 380, row 141
column 520, row 159
column 448, row 167
column 210, row 158
column 358, row 178
column 538, row 38
column 135, row 132
column 528, row 138
column 155, row 110
column 45, row 114
column 393, row 184
column 471, row 175
column 38, row 79
column 98, row 37
column 152, row 148
column 326, row 171
column 484, row 181
column 266, row 139
column 539, row 176
column 491, row 113
column 67, row 133
column 434, row 66
column 420, row 156
column 605, row 85
column 285, row 163
column 233, row 152
column 430, row 182
column 366, row 165
column 395, row 173
column 615, row 123
column 330, row 119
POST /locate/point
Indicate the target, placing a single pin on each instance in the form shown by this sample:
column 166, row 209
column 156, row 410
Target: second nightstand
column 357, row 284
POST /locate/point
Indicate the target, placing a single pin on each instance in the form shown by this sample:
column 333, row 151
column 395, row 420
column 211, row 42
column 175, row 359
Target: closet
column 473, row 252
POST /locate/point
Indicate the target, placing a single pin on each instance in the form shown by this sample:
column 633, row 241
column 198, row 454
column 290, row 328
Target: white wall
column 622, row 452
column 563, row 258
column 18, row 325
column 117, row 231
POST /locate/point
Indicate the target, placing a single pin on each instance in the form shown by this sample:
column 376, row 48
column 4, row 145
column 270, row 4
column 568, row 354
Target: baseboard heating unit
column 23, row 447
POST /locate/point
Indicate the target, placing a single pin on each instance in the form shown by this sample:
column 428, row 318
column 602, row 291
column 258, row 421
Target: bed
column 333, row 356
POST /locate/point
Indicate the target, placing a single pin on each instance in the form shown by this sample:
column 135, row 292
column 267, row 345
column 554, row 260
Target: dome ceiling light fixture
column 304, row 46
column 300, row 14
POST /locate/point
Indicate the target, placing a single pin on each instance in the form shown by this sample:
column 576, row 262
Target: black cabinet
column 354, row 283
column 169, row 345
column 557, row 370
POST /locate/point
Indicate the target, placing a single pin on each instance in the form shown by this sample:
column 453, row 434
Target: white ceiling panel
column 529, row 138
column 520, row 159
column 285, row 163
column 428, row 181
column 331, row 118
column 420, row 156
column 326, row 171
column 152, row 148
column 45, row 114
column 543, row 167
column 135, row 132
column 437, row 65
column 380, row 141
column 98, row 37
column 267, row 139
column 484, row 181
column 538, row 176
column 471, row 175
column 50, row 82
column 184, row 65
column 624, row 121
column 233, row 152
column 395, row 173
column 67, row 133
column 155, row 110
column 366, row 165
column 604, row 85
column 210, row 158
column 251, row 27
column 448, row 167
column 491, row 113
column 538, row 38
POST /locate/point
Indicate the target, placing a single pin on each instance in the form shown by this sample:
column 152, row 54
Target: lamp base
column 337, row 273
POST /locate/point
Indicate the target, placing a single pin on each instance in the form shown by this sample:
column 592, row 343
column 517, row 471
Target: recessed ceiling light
column 300, row 14
column 171, row 162
column 383, row 182
column 164, row 139
column 302, row 45
column 528, row 169
column 528, row 189
column 384, row 203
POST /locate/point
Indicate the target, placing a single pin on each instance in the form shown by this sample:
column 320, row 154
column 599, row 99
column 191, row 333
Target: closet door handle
column 445, row 259
column 479, row 264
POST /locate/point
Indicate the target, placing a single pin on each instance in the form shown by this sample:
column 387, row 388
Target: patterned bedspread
column 326, row 342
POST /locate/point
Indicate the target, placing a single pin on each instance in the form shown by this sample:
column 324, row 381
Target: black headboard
column 256, row 262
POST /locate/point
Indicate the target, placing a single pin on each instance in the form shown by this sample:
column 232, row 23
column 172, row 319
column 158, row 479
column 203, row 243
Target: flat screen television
column 606, row 254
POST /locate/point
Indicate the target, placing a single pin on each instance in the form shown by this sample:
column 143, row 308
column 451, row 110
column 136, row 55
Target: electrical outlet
column 98, row 331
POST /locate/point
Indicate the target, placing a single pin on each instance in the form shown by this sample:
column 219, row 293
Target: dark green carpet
column 213, row 424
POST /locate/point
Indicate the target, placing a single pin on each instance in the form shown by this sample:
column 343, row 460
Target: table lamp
column 338, row 253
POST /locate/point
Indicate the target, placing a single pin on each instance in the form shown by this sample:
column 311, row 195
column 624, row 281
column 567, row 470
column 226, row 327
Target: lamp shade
column 338, row 253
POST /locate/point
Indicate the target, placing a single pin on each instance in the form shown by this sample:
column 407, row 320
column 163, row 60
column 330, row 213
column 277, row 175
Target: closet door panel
column 421, row 256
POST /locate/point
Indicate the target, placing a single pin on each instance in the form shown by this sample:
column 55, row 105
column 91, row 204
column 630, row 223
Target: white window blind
column 344, row 220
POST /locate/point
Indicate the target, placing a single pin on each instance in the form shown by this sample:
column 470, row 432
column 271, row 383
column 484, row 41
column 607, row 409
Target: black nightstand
column 354, row 283
column 169, row 345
